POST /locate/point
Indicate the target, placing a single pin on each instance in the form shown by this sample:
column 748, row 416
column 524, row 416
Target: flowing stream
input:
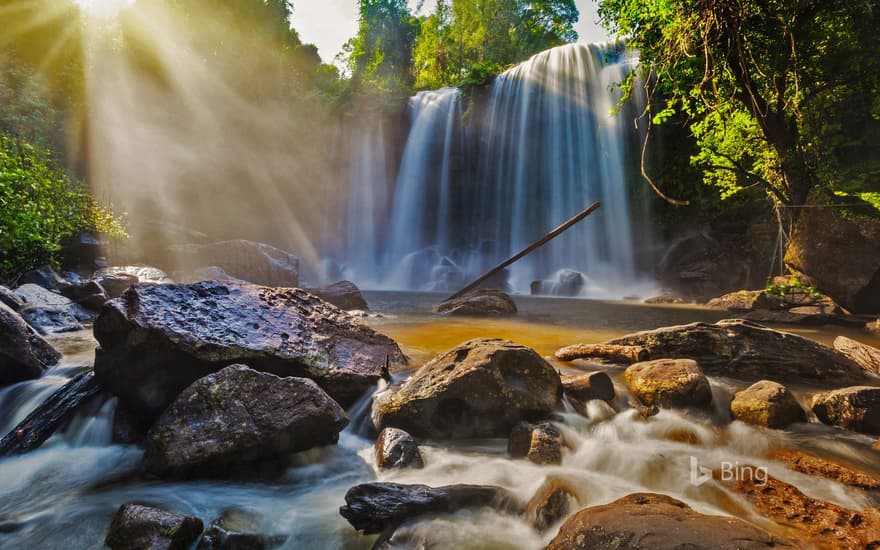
column 64, row 494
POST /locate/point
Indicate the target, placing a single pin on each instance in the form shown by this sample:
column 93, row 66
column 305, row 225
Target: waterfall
column 482, row 176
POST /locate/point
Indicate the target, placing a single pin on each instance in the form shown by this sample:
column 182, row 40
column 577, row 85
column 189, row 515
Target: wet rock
column 239, row 416
column 118, row 279
column 377, row 507
column 210, row 273
column 344, row 295
column 822, row 467
column 566, row 282
column 24, row 354
column 10, row 298
column 666, row 299
column 44, row 277
column 481, row 388
column 257, row 263
column 89, row 294
column 865, row 356
column 553, row 501
column 136, row 527
column 158, row 339
column 540, row 443
column 658, row 522
column 37, row 296
column 767, row 403
column 745, row 300
column 588, row 386
column 856, row 408
column 238, row 530
column 747, row 351
column 397, row 449
column 814, row 522
column 49, row 320
column 669, row 383
column 480, row 303
column 874, row 327
column 84, row 251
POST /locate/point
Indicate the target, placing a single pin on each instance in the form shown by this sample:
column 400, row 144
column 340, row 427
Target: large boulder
column 158, row 339
column 566, row 282
column 24, row 354
column 239, row 416
column 767, row 403
column 658, row 522
column 748, row 351
column 344, row 295
column 137, row 527
column 89, row 294
column 250, row 261
column 669, row 383
column 377, row 507
column 744, row 300
column 856, row 408
column 480, row 303
column 49, row 320
column 481, row 388
column 39, row 297
column 44, row 277
column 839, row 256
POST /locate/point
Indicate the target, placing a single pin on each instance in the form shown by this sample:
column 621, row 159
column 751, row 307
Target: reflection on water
column 64, row 495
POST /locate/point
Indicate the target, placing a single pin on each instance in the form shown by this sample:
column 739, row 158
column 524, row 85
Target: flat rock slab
column 480, row 303
column 136, row 527
column 158, row 339
column 37, row 296
column 747, row 351
column 24, row 354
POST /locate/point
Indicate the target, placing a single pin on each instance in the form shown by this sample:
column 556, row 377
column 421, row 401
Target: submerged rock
column 588, row 386
column 856, row 408
column 481, row 388
column 257, row 263
column 480, row 303
column 540, row 443
column 767, row 403
column 658, row 522
column 551, row 504
column 344, row 295
column 669, row 383
column 239, row 416
column 377, row 507
column 158, row 339
column 24, row 354
column 397, row 449
column 747, row 351
column 137, row 527
column 238, row 530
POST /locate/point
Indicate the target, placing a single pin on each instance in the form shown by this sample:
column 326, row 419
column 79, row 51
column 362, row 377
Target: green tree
column 380, row 55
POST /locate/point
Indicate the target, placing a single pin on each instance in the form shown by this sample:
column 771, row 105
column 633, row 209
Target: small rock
column 24, row 354
column 856, row 408
column 345, row 295
column 238, row 530
column 767, row 403
column 588, row 386
column 137, row 527
column 540, row 443
column 874, row 327
column 480, row 303
column 115, row 283
column 89, row 294
column 49, row 320
column 551, row 504
column 239, row 416
column 481, row 388
column 10, row 298
column 669, row 383
column 397, row 449
column 565, row 282
column 377, row 507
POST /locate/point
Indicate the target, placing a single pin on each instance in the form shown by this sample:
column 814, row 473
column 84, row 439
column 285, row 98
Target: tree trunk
column 617, row 354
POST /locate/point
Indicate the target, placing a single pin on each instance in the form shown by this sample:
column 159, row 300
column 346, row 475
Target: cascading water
column 479, row 179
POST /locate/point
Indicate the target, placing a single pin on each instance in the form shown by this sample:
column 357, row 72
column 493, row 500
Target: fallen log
column 866, row 356
column 39, row 426
column 616, row 354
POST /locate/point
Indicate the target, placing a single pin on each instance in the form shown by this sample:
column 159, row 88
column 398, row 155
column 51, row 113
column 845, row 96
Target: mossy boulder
column 767, row 403
column 669, row 383
column 856, row 408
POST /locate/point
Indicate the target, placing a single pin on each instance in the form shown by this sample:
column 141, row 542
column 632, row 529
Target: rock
column 33, row 295
column 838, row 256
column 24, row 354
column 117, row 280
column 540, row 443
column 84, row 251
column 158, row 339
column 10, row 298
column 658, row 522
column 588, row 386
column 89, row 294
column 250, row 261
column 874, row 327
column 565, row 282
column 669, row 383
column 210, row 273
column 239, row 416
column 828, row 469
column 666, row 299
column 480, row 303
column 745, row 300
column 551, row 504
column 864, row 355
column 481, row 388
column 344, row 295
column 397, row 449
column 816, row 523
column 136, row 527
column 377, row 507
column 49, row 320
column 856, row 408
column 115, row 284
column 768, row 404
column 50, row 415
column 237, row 530
column 44, row 277
column 747, row 351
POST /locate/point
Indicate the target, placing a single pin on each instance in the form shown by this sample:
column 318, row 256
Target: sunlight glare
column 103, row 8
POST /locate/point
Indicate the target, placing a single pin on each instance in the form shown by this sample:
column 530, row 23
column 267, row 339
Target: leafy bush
column 40, row 205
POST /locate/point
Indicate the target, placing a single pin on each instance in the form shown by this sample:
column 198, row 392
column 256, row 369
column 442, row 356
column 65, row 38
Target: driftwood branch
column 618, row 354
